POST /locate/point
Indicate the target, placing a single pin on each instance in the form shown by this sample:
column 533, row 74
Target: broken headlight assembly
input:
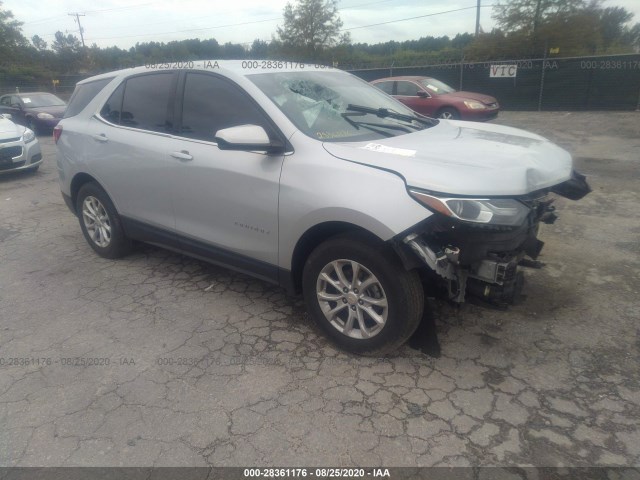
column 496, row 211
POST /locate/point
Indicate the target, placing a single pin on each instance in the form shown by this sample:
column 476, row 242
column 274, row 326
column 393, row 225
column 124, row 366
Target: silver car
column 19, row 147
column 310, row 178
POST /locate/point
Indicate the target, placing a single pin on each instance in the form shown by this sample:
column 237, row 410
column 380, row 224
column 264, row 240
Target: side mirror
column 248, row 138
column 16, row 105
column 423, row 94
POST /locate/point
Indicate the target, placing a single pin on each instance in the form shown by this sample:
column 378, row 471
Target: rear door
column 226, row 202
column 133, row 155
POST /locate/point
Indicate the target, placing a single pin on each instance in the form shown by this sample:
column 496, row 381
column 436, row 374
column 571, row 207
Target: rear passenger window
column 83, row 94
column 147, row 102
column 211, row 104
column 112, row 108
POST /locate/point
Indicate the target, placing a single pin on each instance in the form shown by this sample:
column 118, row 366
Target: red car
column 434, row 98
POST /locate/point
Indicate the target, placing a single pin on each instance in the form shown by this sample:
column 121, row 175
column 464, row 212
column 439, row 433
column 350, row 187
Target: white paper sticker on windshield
column 26, row 100
column 376, row 147
column 432, row 87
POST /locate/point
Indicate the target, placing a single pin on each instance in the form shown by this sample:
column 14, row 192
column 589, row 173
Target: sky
column 123, row 23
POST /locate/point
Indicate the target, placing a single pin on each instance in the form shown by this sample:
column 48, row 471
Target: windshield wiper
column 385, row 112
column 372, row 125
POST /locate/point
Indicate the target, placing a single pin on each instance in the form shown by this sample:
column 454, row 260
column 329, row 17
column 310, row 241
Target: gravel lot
column 210, row 367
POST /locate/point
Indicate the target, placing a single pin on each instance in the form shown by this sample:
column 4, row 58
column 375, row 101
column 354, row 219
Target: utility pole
column 478, row 19
column 78, row 15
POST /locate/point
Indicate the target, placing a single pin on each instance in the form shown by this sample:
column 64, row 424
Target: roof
column 406, row 77
column 233, row 67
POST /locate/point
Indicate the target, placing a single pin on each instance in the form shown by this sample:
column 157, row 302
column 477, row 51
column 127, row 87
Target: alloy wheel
column 96, row 221
column 352, row 299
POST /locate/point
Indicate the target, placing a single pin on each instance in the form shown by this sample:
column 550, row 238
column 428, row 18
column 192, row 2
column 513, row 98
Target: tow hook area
column 496, row 281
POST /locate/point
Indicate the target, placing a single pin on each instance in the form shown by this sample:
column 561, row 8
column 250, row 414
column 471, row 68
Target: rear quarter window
column 83, row 94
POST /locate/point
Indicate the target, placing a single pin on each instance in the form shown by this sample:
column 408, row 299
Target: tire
column 105, row 236
column 386, row 279
column 32, row 126
column 449, row 113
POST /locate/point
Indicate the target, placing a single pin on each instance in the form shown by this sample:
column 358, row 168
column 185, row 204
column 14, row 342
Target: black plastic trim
column 69, row 202
column 198, row 249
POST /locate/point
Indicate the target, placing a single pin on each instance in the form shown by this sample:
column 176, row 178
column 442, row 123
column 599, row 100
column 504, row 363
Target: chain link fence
column 579, row 83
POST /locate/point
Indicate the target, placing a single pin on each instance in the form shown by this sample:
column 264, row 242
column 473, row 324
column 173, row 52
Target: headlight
column 497, row 211
column 48, row 115
column 473, row 105
column 28, row 135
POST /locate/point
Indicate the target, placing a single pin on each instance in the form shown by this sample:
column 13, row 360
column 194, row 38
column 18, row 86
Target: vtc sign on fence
column 503, row 71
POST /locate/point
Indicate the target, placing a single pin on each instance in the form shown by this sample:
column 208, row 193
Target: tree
column 69, row 52
column 39, row 43
column 526, row 15
column 11, row 38
column 311, row 27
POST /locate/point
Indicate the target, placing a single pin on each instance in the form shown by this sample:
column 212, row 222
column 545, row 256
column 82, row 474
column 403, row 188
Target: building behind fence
column 578, row 83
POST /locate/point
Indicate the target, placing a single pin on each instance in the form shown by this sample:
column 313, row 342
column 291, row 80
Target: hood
column 9, row 130
column 480, row 97
column 465, row 158
column 57, row 110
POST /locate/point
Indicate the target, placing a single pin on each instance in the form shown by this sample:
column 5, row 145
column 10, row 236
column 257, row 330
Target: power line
column 411, row 18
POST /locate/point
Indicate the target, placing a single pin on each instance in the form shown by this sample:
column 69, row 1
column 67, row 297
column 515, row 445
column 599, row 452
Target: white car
column 312, row 179
column 19, row 147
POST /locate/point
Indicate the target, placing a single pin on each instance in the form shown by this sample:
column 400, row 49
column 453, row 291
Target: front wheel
column 360, row 295
column 449, row 114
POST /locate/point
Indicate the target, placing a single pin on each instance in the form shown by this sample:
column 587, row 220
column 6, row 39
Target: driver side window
column 211, row 104
column 6, row 101
column 407, row 89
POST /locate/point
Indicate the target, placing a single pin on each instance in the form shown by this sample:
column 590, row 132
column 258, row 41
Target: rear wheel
column 100, row 222
column 360, row 295
column 449, row 113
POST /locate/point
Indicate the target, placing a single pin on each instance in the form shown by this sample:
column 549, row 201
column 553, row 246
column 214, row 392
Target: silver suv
column 310, row 178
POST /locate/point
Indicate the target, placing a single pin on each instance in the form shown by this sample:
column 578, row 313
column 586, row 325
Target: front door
column 226, row 202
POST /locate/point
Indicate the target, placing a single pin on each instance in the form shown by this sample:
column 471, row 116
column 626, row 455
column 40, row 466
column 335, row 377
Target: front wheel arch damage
column 470, row 262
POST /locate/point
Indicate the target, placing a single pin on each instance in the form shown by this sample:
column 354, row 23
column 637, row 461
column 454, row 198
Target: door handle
column 101, row 138
column 182, row 155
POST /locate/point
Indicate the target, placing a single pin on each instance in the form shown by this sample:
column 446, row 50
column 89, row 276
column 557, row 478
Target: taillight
column 57, row 131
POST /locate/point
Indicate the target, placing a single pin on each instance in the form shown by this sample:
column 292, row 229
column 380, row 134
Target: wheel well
column 76, row 184
column 314, row 237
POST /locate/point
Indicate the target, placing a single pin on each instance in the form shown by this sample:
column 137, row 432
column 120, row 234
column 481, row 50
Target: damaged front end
column 476, row 245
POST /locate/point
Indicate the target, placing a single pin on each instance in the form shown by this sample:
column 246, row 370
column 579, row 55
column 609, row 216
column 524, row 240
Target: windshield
column 436, row 86
column 41, row 100
column 320, row 104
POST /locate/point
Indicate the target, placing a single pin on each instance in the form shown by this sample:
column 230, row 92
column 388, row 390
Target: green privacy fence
column 579, row 83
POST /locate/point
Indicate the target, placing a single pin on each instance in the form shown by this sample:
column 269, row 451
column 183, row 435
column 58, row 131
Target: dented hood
column 465, row 158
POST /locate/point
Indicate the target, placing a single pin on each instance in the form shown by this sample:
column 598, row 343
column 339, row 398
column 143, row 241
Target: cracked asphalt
column 162, row 360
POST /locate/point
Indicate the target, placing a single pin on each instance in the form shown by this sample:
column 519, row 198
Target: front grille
column 11, row 165
column 10, row 153
column 9, row 140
